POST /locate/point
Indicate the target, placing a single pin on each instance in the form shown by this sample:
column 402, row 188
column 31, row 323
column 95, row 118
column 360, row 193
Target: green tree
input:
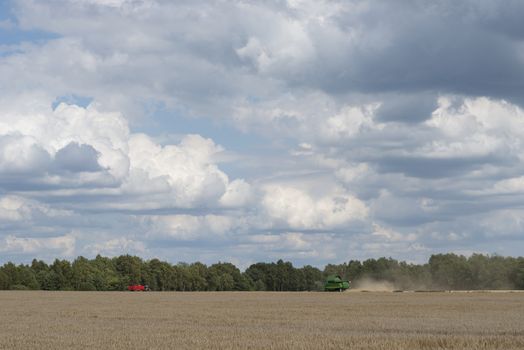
column 11, row 271
column 83, row 274
column 518, row 274
column 4, row 281
column 262, row 276
column 163, row 276
column 312, row 278
column 27, row 277
column 129, row 269
column 450, row 271
column 353, row 270
column 105, row 276
column 226, row 276
column 62, row 277
column 198, row 276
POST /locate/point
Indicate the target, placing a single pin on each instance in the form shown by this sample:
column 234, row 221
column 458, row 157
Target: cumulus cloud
column 508, row 186
column 60, row 245
column 117, row 246
column 189, row 227
column 390, row 235
column 348, row 123
column 41, row 136
column 16, row 208
column 477, row 127
column 351, row 172
column 48, row 145
column 188, row 168
column 22, row 155
column 299, row 210
column 503, row 223
column 293, row 245
column 77, row 158
column 238, row 194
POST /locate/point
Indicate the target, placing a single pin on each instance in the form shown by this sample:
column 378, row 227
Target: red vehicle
column 138, row 288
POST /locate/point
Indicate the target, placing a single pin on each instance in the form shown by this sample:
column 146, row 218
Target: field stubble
column 261, row 320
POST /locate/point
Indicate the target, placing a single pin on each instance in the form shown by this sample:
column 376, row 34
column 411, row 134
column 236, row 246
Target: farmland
column 261, row 320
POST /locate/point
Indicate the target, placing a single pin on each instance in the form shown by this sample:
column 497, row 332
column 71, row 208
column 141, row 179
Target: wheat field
column 261, row 320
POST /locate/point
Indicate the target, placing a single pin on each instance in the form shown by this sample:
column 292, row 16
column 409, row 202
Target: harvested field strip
column 261, row 320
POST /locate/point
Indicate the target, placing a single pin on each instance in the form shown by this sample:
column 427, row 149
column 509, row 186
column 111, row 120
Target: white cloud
column 293, row 245
column 510, row 186
column 42, row 130
column 479, row 126
column 188, row 227
column 299, row 210
column 110, row 3
column 62, row 245
column 182, row 175
column 117, row 246
column 12, row 209
column 352, row 172
column 285, row 46
column 389, row 235
column 238, row 194
column 188, row 168
column 349, row 122
column 21, row 154
column 503, row 222
column 16, row 208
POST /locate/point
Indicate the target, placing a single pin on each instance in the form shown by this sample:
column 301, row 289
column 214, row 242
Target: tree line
column 442, row 271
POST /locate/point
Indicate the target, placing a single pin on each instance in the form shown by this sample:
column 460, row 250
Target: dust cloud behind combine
column 371, row 285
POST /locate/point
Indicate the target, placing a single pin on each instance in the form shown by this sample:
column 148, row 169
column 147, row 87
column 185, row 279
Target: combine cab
column 335, row 284
column 138, row 288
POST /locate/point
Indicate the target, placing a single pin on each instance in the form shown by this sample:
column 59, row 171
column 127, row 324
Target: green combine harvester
column 334, row 283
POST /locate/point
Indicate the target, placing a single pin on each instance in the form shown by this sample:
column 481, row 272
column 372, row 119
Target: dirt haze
column 371, row 285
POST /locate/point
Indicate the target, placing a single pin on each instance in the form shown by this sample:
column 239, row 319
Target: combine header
column 334, row 283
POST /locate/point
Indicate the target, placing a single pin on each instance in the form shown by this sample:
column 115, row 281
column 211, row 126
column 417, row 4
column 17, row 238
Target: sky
column 314, row 131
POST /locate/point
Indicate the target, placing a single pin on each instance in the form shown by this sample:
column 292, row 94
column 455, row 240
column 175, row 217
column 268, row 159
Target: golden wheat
column 259, row 320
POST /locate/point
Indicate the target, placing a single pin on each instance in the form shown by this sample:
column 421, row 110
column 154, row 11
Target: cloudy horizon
column 245, row 131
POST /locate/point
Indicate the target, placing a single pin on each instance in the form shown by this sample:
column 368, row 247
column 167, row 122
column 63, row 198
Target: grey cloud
column 77, row 158
column 433, row 167
column 412, row 47
column 454, row 47
column 407, row 108
column 503, row 17
column 29, row 167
